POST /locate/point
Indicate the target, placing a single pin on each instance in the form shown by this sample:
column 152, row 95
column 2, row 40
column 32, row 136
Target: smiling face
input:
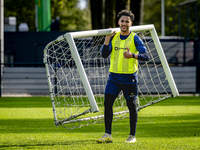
column 124, row 24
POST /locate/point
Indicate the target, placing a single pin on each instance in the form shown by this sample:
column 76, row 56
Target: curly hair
column 126, row 13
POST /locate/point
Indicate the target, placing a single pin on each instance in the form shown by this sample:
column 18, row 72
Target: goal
column 77, row 75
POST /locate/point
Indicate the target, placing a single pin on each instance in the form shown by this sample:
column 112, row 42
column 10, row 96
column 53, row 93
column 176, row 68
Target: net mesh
column 69, row 99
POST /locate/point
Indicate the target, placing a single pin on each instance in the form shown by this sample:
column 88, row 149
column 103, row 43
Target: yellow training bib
column 119, row 64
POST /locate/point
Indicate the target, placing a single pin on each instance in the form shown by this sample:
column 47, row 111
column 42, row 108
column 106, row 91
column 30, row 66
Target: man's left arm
column 143, row 54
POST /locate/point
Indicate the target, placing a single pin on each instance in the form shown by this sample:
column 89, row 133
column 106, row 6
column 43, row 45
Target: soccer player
column 126, row 48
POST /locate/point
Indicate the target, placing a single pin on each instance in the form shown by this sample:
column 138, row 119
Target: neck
column 125, row 33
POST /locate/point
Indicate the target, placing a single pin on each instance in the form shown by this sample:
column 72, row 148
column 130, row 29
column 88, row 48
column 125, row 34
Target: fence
column 24, row 71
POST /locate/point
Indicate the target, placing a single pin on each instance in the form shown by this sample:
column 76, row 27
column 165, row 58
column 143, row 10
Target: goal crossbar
column 99, row 32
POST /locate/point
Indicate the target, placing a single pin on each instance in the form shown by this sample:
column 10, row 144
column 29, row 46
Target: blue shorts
column 129, row 90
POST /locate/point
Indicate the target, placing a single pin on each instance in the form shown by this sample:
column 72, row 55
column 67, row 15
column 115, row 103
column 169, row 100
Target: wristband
column 133, row 55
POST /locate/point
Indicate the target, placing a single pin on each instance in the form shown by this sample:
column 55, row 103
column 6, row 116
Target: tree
column 96, row 8
column 71, row 17
column 109, row 9
column 171, row 18
column 110, row 13
column 121, row 4
column 137, row 8
column 23, row 10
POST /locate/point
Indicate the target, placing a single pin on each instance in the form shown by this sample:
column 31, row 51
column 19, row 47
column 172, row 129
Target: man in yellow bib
column 125, row 48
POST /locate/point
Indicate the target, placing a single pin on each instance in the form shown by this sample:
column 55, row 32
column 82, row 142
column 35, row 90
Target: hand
column 107, row 39
column 128, row 54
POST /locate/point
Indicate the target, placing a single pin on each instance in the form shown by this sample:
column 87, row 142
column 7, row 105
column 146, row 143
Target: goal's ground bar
column 117, row 113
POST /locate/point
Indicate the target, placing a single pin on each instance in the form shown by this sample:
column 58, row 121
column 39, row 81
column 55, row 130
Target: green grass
column 27, row 123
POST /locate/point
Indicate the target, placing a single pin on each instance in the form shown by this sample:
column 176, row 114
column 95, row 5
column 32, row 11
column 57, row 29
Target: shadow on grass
column 25, row 102
column 51, row 145
column 169, row 126
column 31, row 102
column 176, row 126
column 180, row 101
column 184, row 125
column 41, row 126
column 29, row 145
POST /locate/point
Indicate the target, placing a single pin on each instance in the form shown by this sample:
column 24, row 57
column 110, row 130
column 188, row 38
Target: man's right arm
column 106, row 50
column 107, row 47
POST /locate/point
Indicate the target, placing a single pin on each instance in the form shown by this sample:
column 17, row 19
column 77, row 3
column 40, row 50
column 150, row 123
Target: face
column 124, row 23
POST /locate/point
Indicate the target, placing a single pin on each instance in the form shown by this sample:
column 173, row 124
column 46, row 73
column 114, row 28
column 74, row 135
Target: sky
column 82, row 4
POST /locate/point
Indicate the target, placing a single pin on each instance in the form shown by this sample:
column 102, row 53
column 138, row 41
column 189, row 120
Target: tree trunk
column 121, row 5
column 137, row 7
column 110, row 14
column 96, row 8
column 104, row 12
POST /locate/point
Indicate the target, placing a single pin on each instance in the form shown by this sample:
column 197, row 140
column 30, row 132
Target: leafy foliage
column 23, row 10
column 71, row 17
column 152, row 15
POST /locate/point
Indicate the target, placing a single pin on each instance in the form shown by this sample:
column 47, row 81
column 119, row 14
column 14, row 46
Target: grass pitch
column 27, row 123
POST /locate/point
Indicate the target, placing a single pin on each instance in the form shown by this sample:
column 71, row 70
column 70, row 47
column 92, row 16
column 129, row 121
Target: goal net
column 77, row 75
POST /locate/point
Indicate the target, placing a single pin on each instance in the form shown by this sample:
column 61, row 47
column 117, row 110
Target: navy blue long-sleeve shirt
column 143, row 56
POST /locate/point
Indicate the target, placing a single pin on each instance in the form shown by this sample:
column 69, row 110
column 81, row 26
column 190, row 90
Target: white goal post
column 77, row 75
